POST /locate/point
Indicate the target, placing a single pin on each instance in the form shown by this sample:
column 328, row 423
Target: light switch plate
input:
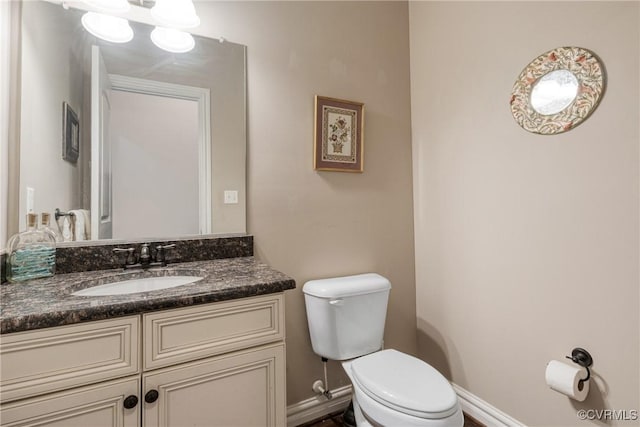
column 230, row 197
column 31, row 199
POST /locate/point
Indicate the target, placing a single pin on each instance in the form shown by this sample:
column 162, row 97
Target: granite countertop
column 48, row 302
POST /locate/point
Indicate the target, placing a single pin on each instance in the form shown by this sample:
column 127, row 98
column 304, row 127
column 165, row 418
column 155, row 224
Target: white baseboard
column 318, row 406
column 488, row 415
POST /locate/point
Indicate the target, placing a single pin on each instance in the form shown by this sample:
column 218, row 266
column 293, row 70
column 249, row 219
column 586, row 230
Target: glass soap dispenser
column 45, row 221
column 31, row 253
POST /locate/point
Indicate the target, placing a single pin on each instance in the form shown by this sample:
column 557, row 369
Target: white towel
column 67, row 228
column 81, row 225
column 87, row 223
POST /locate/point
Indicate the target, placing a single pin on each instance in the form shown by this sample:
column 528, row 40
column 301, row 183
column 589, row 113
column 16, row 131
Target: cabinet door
column 101, row 405
column 245, row 388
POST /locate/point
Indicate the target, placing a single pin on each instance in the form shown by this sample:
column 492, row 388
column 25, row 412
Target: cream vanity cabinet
column 205, row 365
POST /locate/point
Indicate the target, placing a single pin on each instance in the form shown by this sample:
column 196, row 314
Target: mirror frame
column 587, row 69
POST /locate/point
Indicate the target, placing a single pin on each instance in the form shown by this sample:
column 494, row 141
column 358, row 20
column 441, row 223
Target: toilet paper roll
column 566, row 379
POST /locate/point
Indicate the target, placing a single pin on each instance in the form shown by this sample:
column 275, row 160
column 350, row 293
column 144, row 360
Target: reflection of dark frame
column 70, row 134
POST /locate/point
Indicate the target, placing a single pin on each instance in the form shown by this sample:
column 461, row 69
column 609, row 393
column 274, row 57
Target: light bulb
column 106, row 27
column 175, row 13
column 172, row 40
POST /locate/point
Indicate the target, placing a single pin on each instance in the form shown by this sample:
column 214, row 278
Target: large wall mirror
column 159, row 137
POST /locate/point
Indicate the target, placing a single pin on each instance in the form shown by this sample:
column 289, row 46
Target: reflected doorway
column 154, row 148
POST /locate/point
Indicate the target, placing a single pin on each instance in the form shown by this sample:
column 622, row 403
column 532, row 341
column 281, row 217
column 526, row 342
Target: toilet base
column 361, row 421
column 349, row 417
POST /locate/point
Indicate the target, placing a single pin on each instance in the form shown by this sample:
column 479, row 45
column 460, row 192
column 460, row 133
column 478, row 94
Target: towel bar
column 58, row 213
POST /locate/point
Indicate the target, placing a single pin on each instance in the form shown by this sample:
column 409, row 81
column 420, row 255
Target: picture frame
column 338, row 143
column 70, row 134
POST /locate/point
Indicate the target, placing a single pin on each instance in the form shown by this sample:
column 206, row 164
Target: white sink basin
column 135, row 286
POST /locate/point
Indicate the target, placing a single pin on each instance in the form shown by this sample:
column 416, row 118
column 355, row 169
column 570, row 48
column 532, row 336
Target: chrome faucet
column 145, row 255
column 145, row 259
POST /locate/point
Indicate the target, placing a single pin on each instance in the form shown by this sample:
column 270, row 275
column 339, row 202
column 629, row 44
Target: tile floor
column 335, row 420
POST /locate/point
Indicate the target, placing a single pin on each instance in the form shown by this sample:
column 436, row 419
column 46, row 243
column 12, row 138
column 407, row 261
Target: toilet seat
column 370, row 413
column 405, row 384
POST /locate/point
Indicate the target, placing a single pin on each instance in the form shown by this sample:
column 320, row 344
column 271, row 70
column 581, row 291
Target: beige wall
column 526, row 245
column 320, row 224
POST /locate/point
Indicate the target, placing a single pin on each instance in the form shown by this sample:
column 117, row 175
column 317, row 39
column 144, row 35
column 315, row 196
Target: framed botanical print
column 338, row 138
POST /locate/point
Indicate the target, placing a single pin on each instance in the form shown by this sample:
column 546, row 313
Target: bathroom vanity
column 208, row 353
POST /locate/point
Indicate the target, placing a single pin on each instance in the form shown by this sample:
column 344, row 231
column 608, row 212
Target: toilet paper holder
column 582, row 358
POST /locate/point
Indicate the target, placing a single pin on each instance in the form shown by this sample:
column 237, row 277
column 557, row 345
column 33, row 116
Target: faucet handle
column 131, row 256
column 160, row 255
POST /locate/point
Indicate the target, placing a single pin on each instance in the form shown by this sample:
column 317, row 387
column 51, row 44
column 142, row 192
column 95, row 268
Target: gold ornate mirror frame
column 589, row 73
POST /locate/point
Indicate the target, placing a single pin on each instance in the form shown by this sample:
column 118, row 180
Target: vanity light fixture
column 172, row 40
column 175, row 13
column 107, row 27
column 109, row 6
column 171, row 15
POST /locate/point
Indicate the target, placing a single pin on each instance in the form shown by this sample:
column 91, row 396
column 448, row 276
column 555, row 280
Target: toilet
column 346, row 317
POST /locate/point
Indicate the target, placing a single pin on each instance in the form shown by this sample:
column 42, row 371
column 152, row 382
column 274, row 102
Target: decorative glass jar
column 31, row 253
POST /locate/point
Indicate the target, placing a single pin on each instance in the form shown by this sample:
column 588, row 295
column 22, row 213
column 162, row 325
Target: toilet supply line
column 318, row 385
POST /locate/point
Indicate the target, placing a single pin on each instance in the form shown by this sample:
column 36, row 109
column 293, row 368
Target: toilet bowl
column 346, row 317
column 391, row 388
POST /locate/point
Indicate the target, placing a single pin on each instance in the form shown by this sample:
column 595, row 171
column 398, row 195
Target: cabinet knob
column 130, row 402
column 151, row 396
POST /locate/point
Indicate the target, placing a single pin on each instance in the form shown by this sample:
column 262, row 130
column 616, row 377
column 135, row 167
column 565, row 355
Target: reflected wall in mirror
column 554, row 92
column 162, row 135
column 558, row 90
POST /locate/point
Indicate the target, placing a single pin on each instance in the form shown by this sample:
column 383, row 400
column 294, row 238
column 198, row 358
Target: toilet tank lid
column 337, row 287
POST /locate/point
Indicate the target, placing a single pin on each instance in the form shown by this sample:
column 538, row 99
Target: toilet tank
column 346, row 315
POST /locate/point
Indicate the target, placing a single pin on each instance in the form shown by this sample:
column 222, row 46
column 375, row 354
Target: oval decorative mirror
column 558, row 90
